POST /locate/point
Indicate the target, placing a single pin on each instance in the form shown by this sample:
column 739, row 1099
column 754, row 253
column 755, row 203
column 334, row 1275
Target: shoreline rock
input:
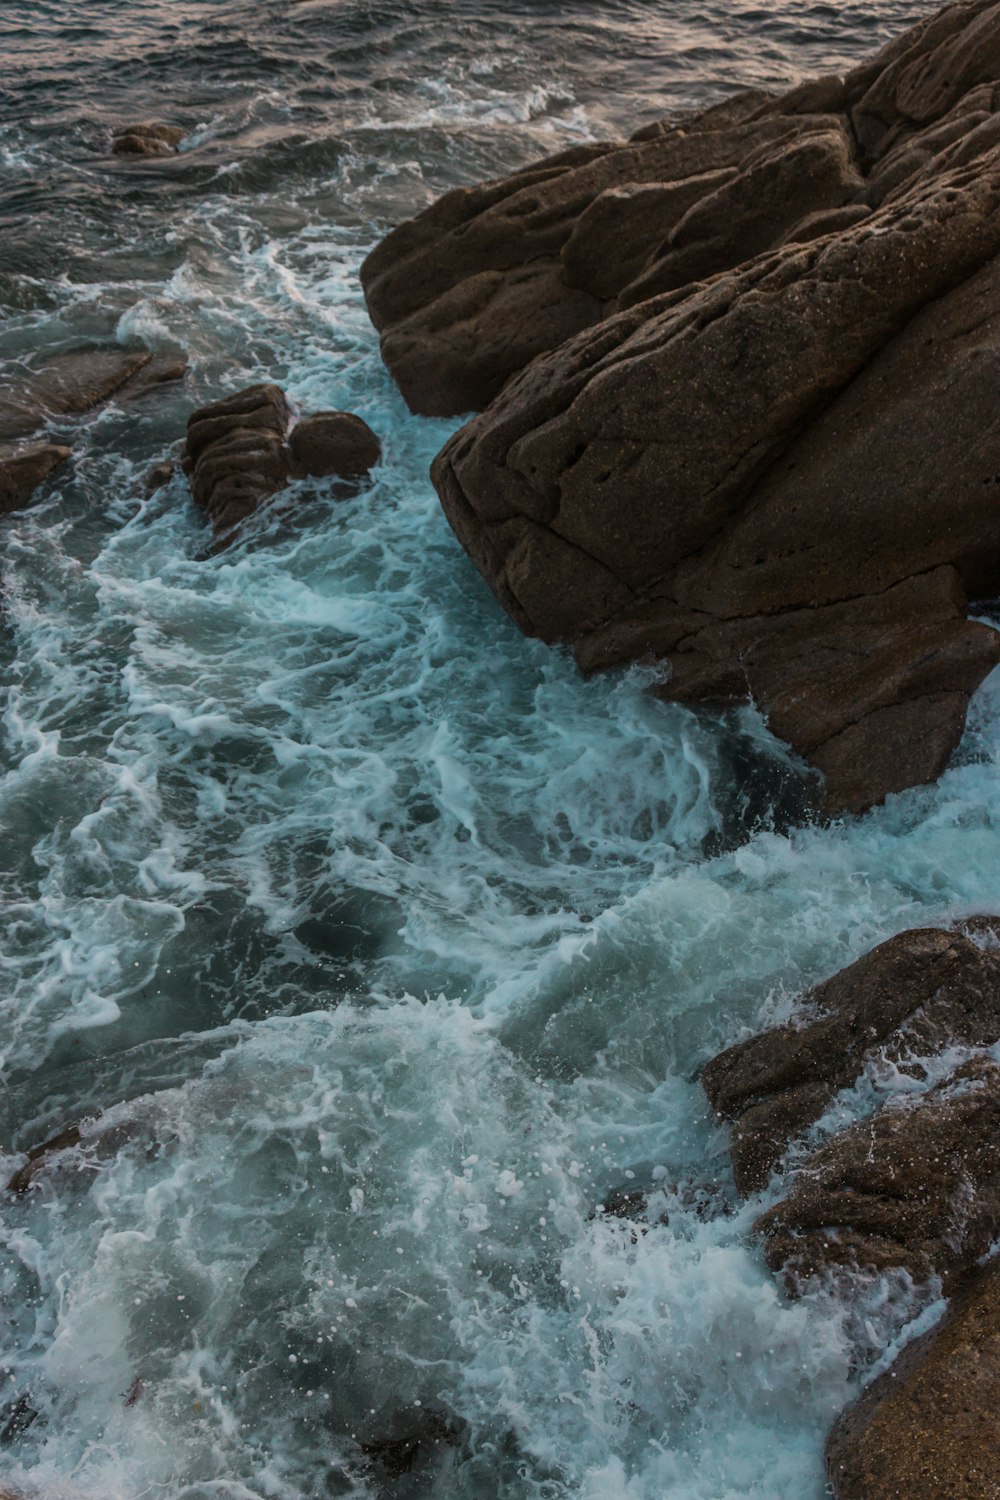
column 915, row 1189
column 927, row 1425
column 738, row 381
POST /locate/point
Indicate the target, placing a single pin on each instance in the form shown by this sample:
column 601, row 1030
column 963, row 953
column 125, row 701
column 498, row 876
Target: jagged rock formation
column 914, row 1189
column 928, row 1425
column 244, row 449
column 755, row 439
column 915, row 994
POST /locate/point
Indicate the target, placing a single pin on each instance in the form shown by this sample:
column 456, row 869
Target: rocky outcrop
column 914, row 995
column 755, row 441
column 60, row 386
column 244, row 449
column 25, row 466
column 489, row 276
column 148, row 139
column 927, row 1425
column 916, row 1188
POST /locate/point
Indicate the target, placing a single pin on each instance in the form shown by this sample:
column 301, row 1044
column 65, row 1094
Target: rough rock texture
column 928, row 1425
column 756, row 440
column 66, row 385
column 914, row 994
column 470, row 290
column 147, row 140
column 23, row 467
column 917, row 1187
column 244, row 449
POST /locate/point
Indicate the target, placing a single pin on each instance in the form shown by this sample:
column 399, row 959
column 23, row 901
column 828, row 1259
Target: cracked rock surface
column 741, row 378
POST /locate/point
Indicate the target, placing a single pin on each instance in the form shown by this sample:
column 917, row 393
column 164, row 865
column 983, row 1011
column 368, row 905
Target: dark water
column 391, row 946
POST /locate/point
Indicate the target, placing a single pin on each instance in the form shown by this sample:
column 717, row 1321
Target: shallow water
column 387, row 945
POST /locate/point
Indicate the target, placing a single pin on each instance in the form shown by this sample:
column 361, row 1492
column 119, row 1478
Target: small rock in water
column 23, row 468
column 334, row 444
column 242, row 450
column 148, row 139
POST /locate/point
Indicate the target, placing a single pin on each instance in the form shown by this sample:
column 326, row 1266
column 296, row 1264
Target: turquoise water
column 386, row 945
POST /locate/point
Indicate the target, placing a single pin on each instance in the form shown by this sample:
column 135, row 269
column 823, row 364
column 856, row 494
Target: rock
column 23, row 467
column 916, row 1188
column 147, row 140
column 159, row 475
column 741, row 378
column 914, row 994
column 466, row 294
column 334, row 444
column 927, row 1426
column 244, row 449
column 735, row 482
column 66, row 385
column 88, row 1140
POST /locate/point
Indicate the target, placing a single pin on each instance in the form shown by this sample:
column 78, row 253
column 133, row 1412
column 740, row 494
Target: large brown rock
column 472, row 289
column 916, row 1188
column 485, row 279
column 23, row 467
column 736, row 482
column 242, row 450
column 915, row 994
column 927, row 1427
column 755, row 441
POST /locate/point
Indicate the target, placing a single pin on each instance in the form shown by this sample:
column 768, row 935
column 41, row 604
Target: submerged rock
column 77, row 1146
column 25, row 466
column 928, row 1425
column 754, row 438
column 917, row 993
column 148, row 139
column 70, row 384
column 413, row 1441
column 242, row 450
column 916, row 1188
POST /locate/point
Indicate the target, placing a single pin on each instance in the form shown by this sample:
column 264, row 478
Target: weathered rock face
column 147, row 140
column 917, row 1187
column 928, row 1425
column 779, row 480
column 916, row 993
column 241, row 451
column 23, row 467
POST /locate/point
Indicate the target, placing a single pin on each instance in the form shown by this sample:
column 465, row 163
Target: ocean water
column 374, row 947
